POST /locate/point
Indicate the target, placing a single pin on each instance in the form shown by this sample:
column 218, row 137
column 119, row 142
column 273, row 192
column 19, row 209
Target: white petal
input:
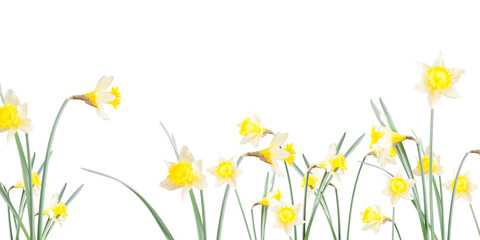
column 104, row 97
column 450, row 92
column 456, row 74
column 422, row 86
column 186, row 189
column 438, row 61
column 422, row 69
column 433, row 97
column 169, row 185
column 200, row 182
column 11, row 98
column 185, row 155
column 468, row 197
column 332, row 151
column 101, row 112
column 279, row 154
column 26, row 125
column 278, row 140
column 103, row 83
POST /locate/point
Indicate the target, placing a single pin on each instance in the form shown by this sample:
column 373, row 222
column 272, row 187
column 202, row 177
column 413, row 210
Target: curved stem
column 243, row 214
column 452, row 201
column 422, row 172
column 291, row 196
column 430, row 180
column 253, row 224
column 305, row 205
column 353, row 196
column 475, row 218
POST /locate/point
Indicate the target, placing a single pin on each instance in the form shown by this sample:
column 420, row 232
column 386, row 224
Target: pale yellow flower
column 185, row 173
column 313, row 180
column 274, row 153
column 57, row 211
column 436, row 167
column 13, row 116
column 272, row 196
column 334, row 163
column 291, row 159
column 100, row 96
column 225, row 171
column 398, row 187
column 251, row 130
column 437, row 80
column 35, row 183
column 464, row 187
column 384, row 140
column 373, row 218
column 286, row 216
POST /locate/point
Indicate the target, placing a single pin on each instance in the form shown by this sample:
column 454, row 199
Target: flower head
column 313, row 178
column 334, row 163
column 185, row 173
column 291, row 159
column 13, row 116
column 274, row 152
column 35, row 183
column 286, row 216
column 398, row 187
column 99, row 96
column 464, row 187
column 373, row 218
column 272, row 197
column 437, row 80
column 225, row 171
column 384, row 140
column 436, row 167
column 57, row 211
column 252, row 130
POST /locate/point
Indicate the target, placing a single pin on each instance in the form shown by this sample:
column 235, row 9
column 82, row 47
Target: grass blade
column 253, row 224
column 171, row 138
column 5, row 197
column 204, row 218
column 222, row 212
column 198, row 218
column 475, row 218
column 263, row 215
column 155, row 215
column 354, row 145
column 243, row 214
column 340, row 142
column 291, row 195
column 300, row 172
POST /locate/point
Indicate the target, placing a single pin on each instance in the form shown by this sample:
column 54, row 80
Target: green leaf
column 155, row 215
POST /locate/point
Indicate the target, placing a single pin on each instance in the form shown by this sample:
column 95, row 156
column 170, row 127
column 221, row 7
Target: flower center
column 375, row 136
column 60, row 210
column 9, row 116
column 286, row 215
column 462, row 184
column 36, row 180
column 249, row 127
column 225, row 169
column 117, row 95
column 311, row 181
column 338, row 162
column 426, row 165
column 181, row 173
column 370, row 215
column 291, row 158
column 398, row 185
column 439, row 77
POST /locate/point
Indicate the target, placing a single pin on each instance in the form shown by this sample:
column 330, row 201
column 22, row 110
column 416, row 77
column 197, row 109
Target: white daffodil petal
column 450, row 92
column 103, row 83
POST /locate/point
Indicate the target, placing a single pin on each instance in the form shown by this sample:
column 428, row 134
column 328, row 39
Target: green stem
column 243, row 214
column 338, row 214
column 198, row 218
column 475, row 218
column 353, row 196
column 442, row 219
column 430, row 179
column 452, row 201
column 45, row 167
column 398, row 232
column 27, row 183
column 253, row 224
column 291, row 195
column 422, row 172
column 203, row 214
column 393, row 223
column 27, row 141
column 305, row 205
column 9, row 219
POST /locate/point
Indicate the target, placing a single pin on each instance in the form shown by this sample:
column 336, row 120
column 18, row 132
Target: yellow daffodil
column 225, row 171
column 437, row 80
column 35, row 183
column 398, row 187
column 436, row 167
column 389, row 159
column 185, row 173
column 100, row 96
column 373, row 218
column 291, row 159
column 286, row 216
column 384, row 139
column 272, row 196
column 334, row 163
column 252, row 130
column 13, row 116
column 274, row 152
column 464, row 187
column 313, row 178
column 57, row 211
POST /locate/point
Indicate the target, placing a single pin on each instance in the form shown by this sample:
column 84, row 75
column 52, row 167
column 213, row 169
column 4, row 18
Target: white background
column 307, row 68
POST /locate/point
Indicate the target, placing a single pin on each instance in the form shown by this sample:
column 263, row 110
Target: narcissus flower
column 373, row 218
column 286, row 216
column 384, row 139
column 313, row 178
column 291, row 159
column 398, row 187
column 437, row 80
column 100, row 96
column 252, row 130
column 185, row 173
column 225, row 171
column 274, row 152
column 57, row 211
column 334, row 163
column 436, row 167
column 35, row 183
column 464, row 187
column 13, row 116
column 272, row 196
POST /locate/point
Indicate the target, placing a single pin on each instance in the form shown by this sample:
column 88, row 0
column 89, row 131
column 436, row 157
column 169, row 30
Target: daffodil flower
column 35, row 183
column 286, row 216
column 384, row 140
column 185, row 173
column 334, row 163
column 436, row 167
column 398, row 187
column 464, row 187
column 313, row 179
column 252, row 131
column 272, row 197
column 437, row 80
column 291, row 159
column 13, row 116
column 57, row 211
column 274, row 152
column 100, row 96
column 225, row 171
column 373, row 218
